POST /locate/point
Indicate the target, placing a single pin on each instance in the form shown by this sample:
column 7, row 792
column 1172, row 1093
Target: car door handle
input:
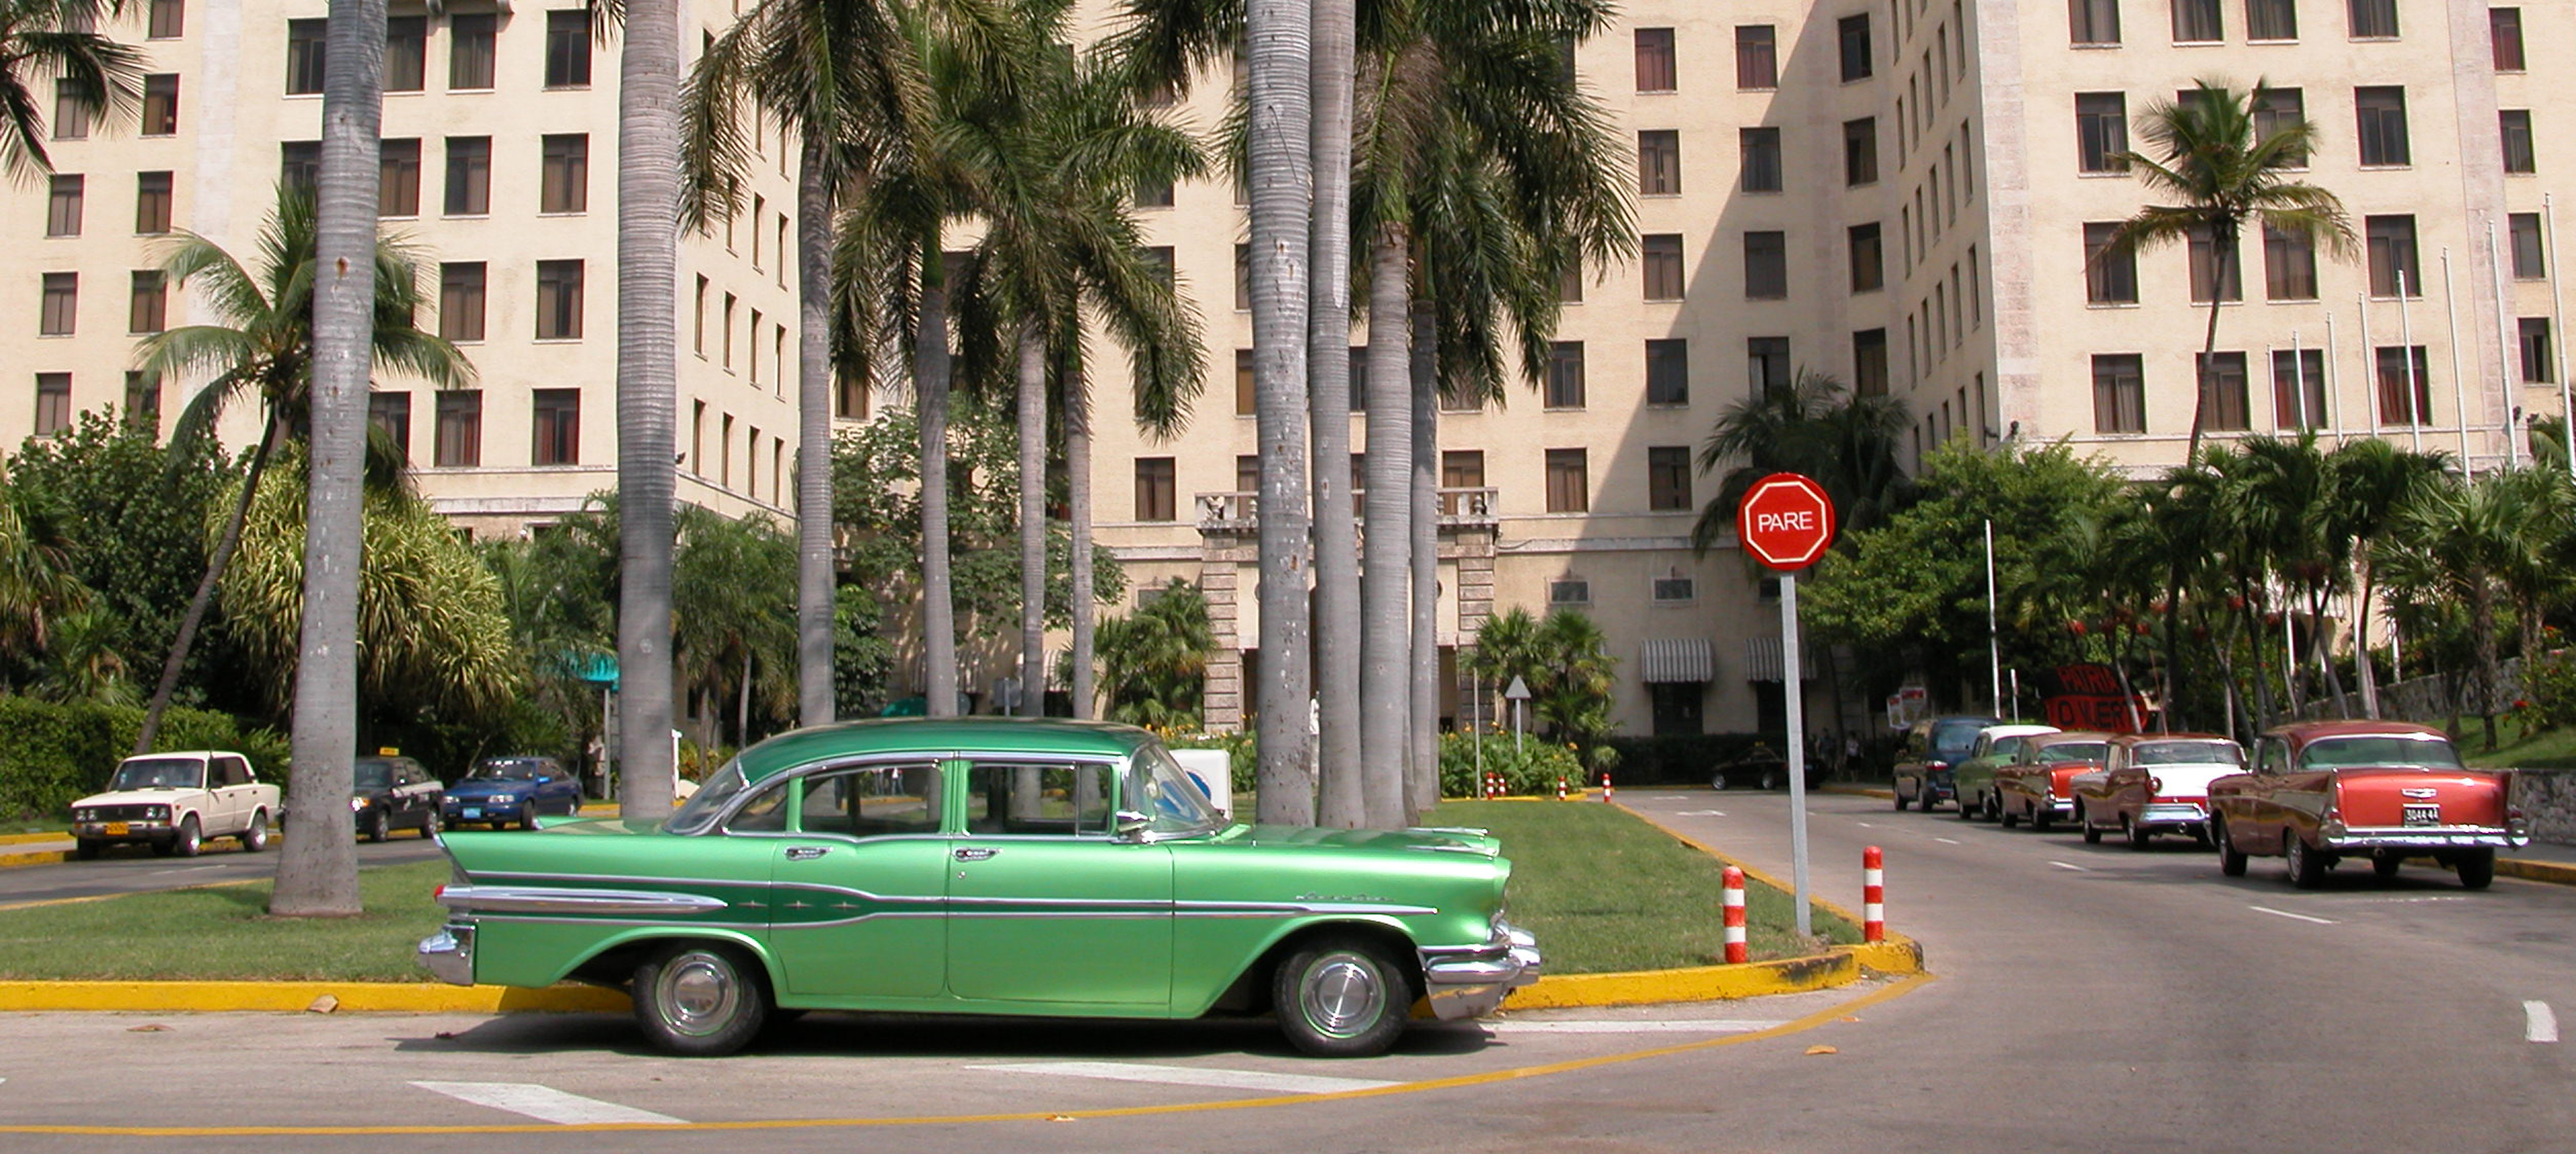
column 976, row 854
column 806, row 852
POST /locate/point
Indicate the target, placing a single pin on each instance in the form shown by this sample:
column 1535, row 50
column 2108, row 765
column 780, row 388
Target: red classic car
column 2152, row 783
column 2038, row 783
column 2386, row 790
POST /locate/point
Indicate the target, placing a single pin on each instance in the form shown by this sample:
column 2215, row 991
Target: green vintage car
column 984, row 866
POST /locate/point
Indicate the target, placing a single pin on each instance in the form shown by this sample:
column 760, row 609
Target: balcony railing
column 1241, row 512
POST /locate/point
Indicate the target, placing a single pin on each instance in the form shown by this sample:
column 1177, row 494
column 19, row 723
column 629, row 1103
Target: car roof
column 2143, row 738
column 2303, row 732
column 942, row 735
column 2017, row 730
column 2070, row 737
column 199, row 754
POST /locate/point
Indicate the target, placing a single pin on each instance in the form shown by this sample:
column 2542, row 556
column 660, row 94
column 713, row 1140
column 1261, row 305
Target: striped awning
column 1762, row 660
column 1678, row 659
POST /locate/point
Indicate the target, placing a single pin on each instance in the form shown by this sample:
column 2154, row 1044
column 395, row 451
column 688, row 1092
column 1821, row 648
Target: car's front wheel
column 2230, row 861
column 1340, row 997
column 190, row 838
column 86, row 849
column 378, row 828
column 700, row 1000
column 429, row 825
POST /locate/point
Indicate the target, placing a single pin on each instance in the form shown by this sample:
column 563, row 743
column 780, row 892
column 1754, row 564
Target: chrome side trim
column 547, row 900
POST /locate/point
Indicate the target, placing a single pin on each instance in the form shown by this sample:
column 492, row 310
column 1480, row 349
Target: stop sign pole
column 1786, row 522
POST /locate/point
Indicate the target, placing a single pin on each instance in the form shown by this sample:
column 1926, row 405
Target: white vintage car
column 173, row 802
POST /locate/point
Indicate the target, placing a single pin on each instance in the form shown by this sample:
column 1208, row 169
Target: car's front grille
column 120, row 812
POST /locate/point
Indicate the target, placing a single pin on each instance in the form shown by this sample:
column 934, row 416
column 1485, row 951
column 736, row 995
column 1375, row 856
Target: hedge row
column 55, row 753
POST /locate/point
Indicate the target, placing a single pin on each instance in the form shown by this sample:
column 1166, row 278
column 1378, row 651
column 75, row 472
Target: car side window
column 2272, row 756
column 232, row 771
column 766, row 812
column 872, row 801
column 1038, row 799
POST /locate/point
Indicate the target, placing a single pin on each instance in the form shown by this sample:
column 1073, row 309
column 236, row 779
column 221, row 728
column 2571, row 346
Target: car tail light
column 2156, row 786
column 1936, row 765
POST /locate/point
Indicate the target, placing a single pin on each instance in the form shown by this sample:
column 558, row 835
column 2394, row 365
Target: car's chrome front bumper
column 449, row 954
column 1470, row 981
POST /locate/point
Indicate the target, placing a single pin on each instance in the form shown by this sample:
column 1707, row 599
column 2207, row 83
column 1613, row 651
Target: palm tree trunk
column 2252, row 628
column 2363, row 670
column 2482, row 630
column 317, row 872
column 816, row 579
column 742, row 704
column 930, row 383
column 1033, row 565
column 221, row 560
column 2318, row 652
column 1422, row 770
column 1344, row 789
column 2218, row 262
column 1279, row 44
column 1077, row 504
column 648, row 198
column 1386, row 660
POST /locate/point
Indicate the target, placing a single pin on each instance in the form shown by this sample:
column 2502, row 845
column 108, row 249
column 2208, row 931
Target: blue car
column 503, row 790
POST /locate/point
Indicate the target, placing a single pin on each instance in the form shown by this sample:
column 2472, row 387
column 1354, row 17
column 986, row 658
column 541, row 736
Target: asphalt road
column 2090, row 998
column 134, row 869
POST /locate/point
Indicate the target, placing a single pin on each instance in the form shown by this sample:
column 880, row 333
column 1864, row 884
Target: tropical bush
column 1528, row 766
column 1153, row 662
column 59, row 751
column 2549, row 691
column 1565, row 660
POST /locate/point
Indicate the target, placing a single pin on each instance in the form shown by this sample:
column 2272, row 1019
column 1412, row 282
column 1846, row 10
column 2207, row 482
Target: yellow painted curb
column 2557, row 873
column 228, row 997
column 1841, row 967
column 34, row 857
column 1857, row 790
column 18, row 838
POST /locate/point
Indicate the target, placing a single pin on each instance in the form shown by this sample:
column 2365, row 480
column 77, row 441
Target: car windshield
column 372, row 774
column 2066, row 751
column 1952, row 739
column 505, row 769
column 2330, row 752
column 159, row 773
column 1157, row 786
column 2187, row 753
column 699, row 812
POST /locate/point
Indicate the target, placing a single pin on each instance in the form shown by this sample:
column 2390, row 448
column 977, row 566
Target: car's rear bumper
column 1471, row 981
column 2425, row 837
column 2172, row 815
column 449, row 954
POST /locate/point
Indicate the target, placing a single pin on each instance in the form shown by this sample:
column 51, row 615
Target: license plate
column 116, row 829
column 2424, row 814
column 470, row 811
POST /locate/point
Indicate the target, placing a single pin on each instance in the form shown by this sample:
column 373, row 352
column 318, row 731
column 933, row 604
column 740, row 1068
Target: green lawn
column 1605, row 891
column 224, row 932
column 2546, row 749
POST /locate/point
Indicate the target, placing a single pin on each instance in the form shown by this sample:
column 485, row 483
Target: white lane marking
column 2289, row 915
column 1663, row 797
column 1699, row 813
column 2070, row 866
column 544, row 1103
column 1681, row 1026
column 1192, row 1076
column 1862, row 824
column 188, row 869
column 2539, row 1023
column 1946, row 841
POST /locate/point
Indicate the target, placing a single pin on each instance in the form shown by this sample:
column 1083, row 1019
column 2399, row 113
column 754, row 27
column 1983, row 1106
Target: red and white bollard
column 1873, row 896
column 1560, row 787
column 1493, row 786
column 1736, row 950
column 1605, row 787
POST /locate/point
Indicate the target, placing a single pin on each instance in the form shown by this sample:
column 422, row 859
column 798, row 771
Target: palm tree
column 2289, row 492
column 1348, row 794
column 261, row 346
column 2372, row 480
column 729, row 585
column 39, row 587
column 2456, row 541
column 648, row 243
column 1279, row 166
column 96, row 76
column 1847, row 444
column 1155, row 660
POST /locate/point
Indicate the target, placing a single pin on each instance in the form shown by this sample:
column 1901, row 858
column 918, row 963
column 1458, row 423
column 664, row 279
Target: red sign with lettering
column 1785, row 522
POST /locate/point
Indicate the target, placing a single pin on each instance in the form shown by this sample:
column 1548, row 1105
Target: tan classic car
column 2152, row 783
column 2322, row 791
column 2038, row 784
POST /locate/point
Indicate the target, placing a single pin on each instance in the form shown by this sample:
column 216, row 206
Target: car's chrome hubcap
column 698, row 994
column 1342, row 995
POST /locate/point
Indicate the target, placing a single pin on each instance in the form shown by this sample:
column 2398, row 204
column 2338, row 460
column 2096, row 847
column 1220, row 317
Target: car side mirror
column 1129, row 825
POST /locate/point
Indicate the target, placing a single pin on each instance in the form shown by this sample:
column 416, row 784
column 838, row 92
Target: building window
column 2119, row 393
column 1157, row 498
column 469, row 175
column 1854, row 34
column 2536, row 366
column 71, row 110
column 559, row 300
column 564, row 184
column 731, row 303
column 143, row 398
column 1758, row 156
column 2382, row 114
column 1569, row 482
column 304, row 51
column 151, row 203
column 1565, row 375
column 2206, row 284
column 2529, row 262
column 1247, row 474
column 299, row 165
column 1242, row 277
column 2093, row 21
column 1656, row 71
column 1659, row 163
column 2504, row 31
column 63, row 204
column 2109, row 278
column 1569, row 281
column 2198, row 22
column 161, row 104
column 62, row 304
column 1247, row 384
column 2289, row 265
column 2391, row 242
column 1673, row 590
column 391, row 412
column 2372, row 18
column 1766, row 265
column 457, row 441
column 1569, row 591
column 460, row 300
column 2223, row 375
column 1860, row 151
column 1663, row 260
column 1868, row 258
column 1668, row 478
column 469, row 50
column 406, row 53
column 148, row 309
column 2516, row 126
column 557, row 427
column 1668, row 371
column 1869, row 363
column 1766, row 365
column 568, row 48
column 2299, row 388
column 1166, row 269
column 53, row 403
column 2271, row 19
column 398, row 178
column 168, row 20
column 1757, row 61
column 2399, row 405
column 2278, row 110
column 2101, row 131
column 1153, row 194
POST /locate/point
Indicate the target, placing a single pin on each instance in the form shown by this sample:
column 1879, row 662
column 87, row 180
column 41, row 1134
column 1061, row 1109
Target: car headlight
column 84, row 815
column 356, row 804
column 502, row 799
column 160, row 813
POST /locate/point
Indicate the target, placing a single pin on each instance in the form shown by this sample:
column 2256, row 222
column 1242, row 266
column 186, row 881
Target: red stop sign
column 1786, row 521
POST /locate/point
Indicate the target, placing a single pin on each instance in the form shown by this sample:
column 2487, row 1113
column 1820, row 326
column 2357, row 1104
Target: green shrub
column 58, row 752
column 1531, row 769
column 2548, row 692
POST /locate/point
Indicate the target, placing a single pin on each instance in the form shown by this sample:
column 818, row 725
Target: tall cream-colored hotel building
column 1902, row 194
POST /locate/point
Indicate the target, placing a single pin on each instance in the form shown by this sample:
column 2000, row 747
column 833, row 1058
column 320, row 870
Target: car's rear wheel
column 2307, row 866
column 2042, row 818
column 2084, row 821
column 86, row 849
column 1901, row 800
column 1340, row 997
column 429, row 825
column 700, row 1000
column 2230, row 862
column 1717, row 781
column 255, row 838
column 189, row 839
column 378, row 828
column 2477, row 869
column 1775, row 779
column 2010, row 819
column 1994, row 806
column 2137, row 834
column 1967, row 809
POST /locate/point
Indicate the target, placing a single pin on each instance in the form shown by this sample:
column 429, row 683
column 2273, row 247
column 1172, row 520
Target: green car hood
column 1463, row 841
